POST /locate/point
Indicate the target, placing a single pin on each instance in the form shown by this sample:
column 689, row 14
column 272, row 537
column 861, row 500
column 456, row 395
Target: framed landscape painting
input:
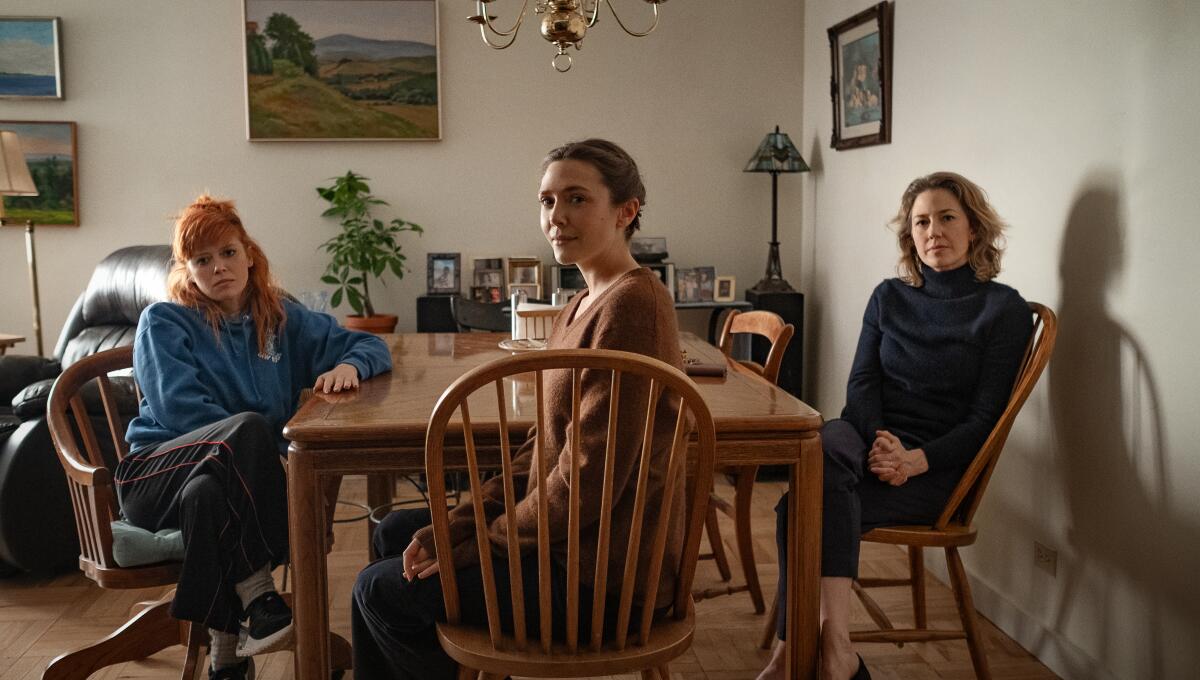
column 49, row 150
column 342, row 70
column 30, row 58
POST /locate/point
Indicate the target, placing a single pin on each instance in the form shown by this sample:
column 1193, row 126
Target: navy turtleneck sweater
column 935, row 364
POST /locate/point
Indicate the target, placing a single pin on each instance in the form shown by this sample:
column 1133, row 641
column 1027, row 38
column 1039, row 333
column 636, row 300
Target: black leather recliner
column 37, row 526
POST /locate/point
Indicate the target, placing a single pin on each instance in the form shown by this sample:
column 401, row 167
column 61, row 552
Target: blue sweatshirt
column 191, row 378
column 935, row 365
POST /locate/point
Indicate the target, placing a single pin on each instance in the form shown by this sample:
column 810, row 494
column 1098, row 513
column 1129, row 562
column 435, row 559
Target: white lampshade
column 14, row 173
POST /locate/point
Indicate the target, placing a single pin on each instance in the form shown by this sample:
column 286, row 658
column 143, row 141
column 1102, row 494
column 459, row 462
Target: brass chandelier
column 564, row 23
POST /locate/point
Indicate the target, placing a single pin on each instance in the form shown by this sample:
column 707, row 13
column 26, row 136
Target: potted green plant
column 365, row 248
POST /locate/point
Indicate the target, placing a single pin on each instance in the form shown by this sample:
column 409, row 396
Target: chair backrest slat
column 604, row 536
column 651, row 466
column 633, row 547
column 516, row 585
column 541, row 455
column 113, row 416
column 965, row 498
column 481, row 527
column 675, row 463
column 573, row 519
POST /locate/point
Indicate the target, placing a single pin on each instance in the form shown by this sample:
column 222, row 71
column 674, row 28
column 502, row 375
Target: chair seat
column 126, row 578
column 923, row 535
column 472, row 647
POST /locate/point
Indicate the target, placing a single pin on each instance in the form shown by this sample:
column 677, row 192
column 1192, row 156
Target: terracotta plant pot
column 380, row 323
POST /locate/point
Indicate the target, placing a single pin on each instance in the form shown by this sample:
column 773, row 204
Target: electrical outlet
column 1045, row 558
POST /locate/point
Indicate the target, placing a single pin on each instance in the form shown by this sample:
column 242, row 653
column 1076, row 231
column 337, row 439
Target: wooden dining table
column 380, row 428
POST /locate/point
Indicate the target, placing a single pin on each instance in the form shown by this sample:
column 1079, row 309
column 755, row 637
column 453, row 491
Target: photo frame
column 695, row 284
column 861, row 84
column 525, row 271
column 442, row 273
column 31, row 58
column 487, row 293
column 50, row 152
column 321, row 70
column 725, row 289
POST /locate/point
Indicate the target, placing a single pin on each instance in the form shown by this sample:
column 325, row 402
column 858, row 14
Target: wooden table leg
column 804, row 569
column 380, row 487
column 306, row 532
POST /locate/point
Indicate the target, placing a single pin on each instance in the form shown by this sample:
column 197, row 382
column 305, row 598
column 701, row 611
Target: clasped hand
column 341, row 377
column 417, row 561
column 891, row 462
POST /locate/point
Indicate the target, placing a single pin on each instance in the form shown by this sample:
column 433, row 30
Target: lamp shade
column 14, row 173
column 776, row 154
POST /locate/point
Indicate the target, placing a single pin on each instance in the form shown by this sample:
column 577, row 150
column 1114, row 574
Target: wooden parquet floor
column 41, row 617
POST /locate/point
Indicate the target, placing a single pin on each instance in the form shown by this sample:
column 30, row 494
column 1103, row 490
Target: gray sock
column 259, row 583
column 222, row 649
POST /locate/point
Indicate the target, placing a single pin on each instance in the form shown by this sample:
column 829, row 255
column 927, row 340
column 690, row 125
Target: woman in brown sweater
column 591, row 196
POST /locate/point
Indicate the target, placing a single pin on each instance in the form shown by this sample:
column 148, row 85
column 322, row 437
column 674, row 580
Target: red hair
column 208, row 222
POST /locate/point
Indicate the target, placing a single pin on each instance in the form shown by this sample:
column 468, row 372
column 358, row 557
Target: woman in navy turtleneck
column 937, row 356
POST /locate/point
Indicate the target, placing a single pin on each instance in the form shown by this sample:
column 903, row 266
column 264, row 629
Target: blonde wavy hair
column 987, row 229
column 209, row 221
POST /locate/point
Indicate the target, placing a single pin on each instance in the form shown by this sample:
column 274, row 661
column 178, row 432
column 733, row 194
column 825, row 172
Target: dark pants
column 393, row 619
column 854, row 502
column 225, row 488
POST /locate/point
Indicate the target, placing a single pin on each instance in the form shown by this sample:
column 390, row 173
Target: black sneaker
column 268, row 627
column 242, row 671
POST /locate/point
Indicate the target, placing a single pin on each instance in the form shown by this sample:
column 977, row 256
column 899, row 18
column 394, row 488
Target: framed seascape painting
column 30, row 58
column 861, row 84
column 342, row 70
column 49, row 150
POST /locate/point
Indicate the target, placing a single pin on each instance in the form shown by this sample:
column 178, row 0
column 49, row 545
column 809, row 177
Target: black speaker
column 790, row 306
column 434, row 314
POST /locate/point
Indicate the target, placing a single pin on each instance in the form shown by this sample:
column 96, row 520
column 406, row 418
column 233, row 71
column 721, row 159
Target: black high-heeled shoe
column 862, row 673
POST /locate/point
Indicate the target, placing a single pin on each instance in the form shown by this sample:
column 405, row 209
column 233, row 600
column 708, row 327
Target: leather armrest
column 18, row 371
column 30, row 402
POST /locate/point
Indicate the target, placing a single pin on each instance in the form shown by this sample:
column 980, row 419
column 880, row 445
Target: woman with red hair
column 221, row 367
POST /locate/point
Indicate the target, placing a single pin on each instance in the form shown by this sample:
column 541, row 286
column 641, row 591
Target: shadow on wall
column 1106, row 408
column 814, row 314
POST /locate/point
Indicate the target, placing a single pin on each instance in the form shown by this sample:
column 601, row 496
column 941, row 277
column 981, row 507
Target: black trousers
column 393, row 619
column 854, row 501
column 225, row 488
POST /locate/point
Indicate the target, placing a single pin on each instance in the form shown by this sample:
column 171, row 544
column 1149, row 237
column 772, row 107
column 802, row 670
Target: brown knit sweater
column 634, row 314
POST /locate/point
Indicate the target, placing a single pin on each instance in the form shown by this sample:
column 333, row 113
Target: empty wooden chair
column 85, row 393
column 640, row 643
column 772, row 327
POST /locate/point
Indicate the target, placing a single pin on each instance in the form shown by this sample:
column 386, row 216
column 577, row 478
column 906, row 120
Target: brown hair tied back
column 987, row 229
column 616, row 167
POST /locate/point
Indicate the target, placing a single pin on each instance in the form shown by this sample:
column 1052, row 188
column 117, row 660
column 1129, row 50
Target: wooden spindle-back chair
column 493, row 653
column 776, row 331
column 953, row 528
column 90, row 482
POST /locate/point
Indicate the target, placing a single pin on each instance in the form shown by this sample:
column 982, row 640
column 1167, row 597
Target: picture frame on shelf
column 50, row 152
column 442, row 273
column 695, row 284
column 861, row 83
column 364, row 70
column 488, row 272
column 666, row 273
column 726, row 289
column 487, row 293
column 525, row 271
column 32, row 68
column 567, row 278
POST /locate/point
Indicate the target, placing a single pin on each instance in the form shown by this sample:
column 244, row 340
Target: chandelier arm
column 512, row 31
column 496, row 45
column 596, row 13
column 635, row 34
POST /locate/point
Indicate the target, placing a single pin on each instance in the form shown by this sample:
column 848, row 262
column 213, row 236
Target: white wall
column 1079, row 120
column 157, row 90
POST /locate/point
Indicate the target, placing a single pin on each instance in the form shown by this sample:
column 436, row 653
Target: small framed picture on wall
column 442, row 275
column 861, row 54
